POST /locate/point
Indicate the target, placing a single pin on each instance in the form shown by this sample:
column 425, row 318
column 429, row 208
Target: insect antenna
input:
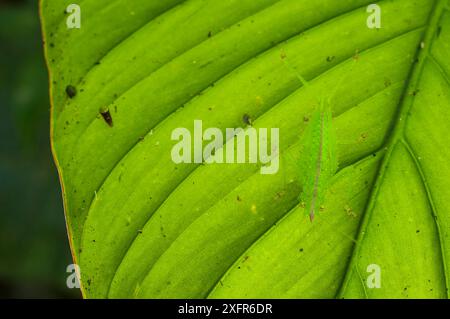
column 293, row 70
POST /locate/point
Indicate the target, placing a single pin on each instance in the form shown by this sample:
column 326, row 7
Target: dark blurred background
column 34, row 250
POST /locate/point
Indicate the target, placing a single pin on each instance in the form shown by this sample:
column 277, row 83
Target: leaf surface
column 142, row 226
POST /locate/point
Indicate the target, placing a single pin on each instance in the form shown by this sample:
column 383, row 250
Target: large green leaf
column 142, row 226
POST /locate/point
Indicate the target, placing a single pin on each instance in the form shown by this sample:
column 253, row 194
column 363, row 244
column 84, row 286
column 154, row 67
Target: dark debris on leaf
column 71, row 91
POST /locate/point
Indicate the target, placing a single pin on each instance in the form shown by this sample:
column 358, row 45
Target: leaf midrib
column 396, row 137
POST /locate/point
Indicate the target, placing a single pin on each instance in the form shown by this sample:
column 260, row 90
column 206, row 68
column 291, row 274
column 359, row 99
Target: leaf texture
column 142, row 226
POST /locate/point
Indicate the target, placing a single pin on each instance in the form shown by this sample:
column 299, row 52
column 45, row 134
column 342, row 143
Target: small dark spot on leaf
column 139, row 231
column 330, row 58
column 209, row 34
column 238, row 199
column 71, row 91
column 107, row 116
column 300, row 250
column 387, row 82
column 247, row 119
column 279, row 195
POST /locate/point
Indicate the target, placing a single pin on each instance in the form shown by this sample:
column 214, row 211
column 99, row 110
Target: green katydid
column 318, row 163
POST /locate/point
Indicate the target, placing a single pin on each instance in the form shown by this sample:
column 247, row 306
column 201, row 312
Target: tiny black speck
column 71, row 91
column 247, row 119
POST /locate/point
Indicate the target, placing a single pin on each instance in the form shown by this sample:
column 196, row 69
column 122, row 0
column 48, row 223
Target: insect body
column 106, row 116
column 318, row 161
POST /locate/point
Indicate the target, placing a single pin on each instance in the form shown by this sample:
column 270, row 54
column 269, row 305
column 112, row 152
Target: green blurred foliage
column 34, row 250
